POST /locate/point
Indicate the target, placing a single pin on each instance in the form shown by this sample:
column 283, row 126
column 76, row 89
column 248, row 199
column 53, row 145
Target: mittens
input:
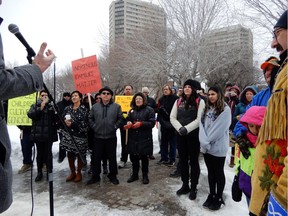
column 137, row 125
column 183, row 131
column 128, row 126
column 244, row 145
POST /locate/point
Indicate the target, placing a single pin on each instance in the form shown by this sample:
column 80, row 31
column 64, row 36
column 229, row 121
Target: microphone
column 15, row 30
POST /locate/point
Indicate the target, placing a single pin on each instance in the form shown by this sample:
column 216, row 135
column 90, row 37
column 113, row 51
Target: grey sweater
column 214, row 132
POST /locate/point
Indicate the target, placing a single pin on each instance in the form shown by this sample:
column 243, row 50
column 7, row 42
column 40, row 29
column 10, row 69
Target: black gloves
column 244, row 145
column 183, row 131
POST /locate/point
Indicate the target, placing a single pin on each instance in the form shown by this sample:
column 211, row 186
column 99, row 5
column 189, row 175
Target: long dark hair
column 220, row 103
column 191, row 100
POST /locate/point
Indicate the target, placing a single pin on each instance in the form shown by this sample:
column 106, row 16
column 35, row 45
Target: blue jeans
column 168, row 145
column 26, row 147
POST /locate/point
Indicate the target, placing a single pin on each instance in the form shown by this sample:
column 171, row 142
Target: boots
column 185, row 189
column 79, row 168
column 193, row 194
column 145, row 178
column 135, row 171
column 72, row 175
column 39, row 176
column 231, row 162
column 133, row 178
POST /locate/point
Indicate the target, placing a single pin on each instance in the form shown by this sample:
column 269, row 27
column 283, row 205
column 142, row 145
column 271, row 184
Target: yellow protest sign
column 18, row 108
column 124, row 102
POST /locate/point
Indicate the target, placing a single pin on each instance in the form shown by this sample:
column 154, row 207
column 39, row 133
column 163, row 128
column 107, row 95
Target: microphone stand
column 30, row 55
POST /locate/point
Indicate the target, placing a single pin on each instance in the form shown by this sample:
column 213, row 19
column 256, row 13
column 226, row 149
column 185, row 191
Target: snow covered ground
column 66, row 205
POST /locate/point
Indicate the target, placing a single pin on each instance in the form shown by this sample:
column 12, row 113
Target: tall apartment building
column 128, row 16
column 232, row 38
column 139, row 24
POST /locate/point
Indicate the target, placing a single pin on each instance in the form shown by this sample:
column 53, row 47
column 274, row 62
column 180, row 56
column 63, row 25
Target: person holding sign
column 104, row 119
column 128, row 91
column 140, row 121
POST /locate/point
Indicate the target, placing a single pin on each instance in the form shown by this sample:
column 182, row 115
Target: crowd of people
column 190, row 122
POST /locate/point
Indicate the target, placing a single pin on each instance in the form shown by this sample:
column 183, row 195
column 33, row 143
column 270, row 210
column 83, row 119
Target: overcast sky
column 69, row 25
column 66, row 25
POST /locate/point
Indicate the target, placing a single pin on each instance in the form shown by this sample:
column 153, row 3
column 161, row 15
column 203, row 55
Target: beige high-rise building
column 128, row 16
column 139, row 26
column 230, row 38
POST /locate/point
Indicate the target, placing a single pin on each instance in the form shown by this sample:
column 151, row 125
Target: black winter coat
column 165, row 105
column 43, row 123
column 140, row 140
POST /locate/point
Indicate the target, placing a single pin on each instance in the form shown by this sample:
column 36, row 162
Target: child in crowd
column 252, row 120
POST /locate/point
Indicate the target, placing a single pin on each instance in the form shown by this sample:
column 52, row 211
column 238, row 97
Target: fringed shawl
column 275, row 125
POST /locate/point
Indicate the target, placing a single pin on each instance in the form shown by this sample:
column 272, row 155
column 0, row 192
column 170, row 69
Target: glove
column 137, row 125
column 128, row 126
column 183, row 131
column 244, row 145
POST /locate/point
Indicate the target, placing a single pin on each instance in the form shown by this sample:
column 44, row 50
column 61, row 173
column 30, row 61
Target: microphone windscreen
column 13, row 28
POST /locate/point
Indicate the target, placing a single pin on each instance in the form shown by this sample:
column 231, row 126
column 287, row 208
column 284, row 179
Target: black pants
column 106, row 147
column 135, row 159
column 44, row 155
column 216, row 176
column 124, row 154
column 188, row 150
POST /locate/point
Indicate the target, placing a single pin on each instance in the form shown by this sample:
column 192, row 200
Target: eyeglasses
column 105, row 93
column 139, row 99
column 276, row 32
column 145, row 92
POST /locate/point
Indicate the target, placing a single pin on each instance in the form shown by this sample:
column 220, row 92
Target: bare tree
column 188, row 22
column 264, row 13
column 64, row 81
column 139, row 60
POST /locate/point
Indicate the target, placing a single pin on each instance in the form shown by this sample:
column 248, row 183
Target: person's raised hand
column 42, row 61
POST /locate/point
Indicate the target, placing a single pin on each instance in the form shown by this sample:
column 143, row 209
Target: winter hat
column 174, row 88
column 237, row 89
column 106, row 88
column 254, row 115
column 66, row 94
column 272, row 61
column 282, row 21
column 193, row 83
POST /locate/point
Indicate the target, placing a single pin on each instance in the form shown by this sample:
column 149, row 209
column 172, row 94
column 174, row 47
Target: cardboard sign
column 86, row 74
column 124, row 102
column 18, row 109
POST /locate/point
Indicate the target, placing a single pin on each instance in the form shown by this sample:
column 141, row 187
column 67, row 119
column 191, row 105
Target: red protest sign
column 86, row 74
